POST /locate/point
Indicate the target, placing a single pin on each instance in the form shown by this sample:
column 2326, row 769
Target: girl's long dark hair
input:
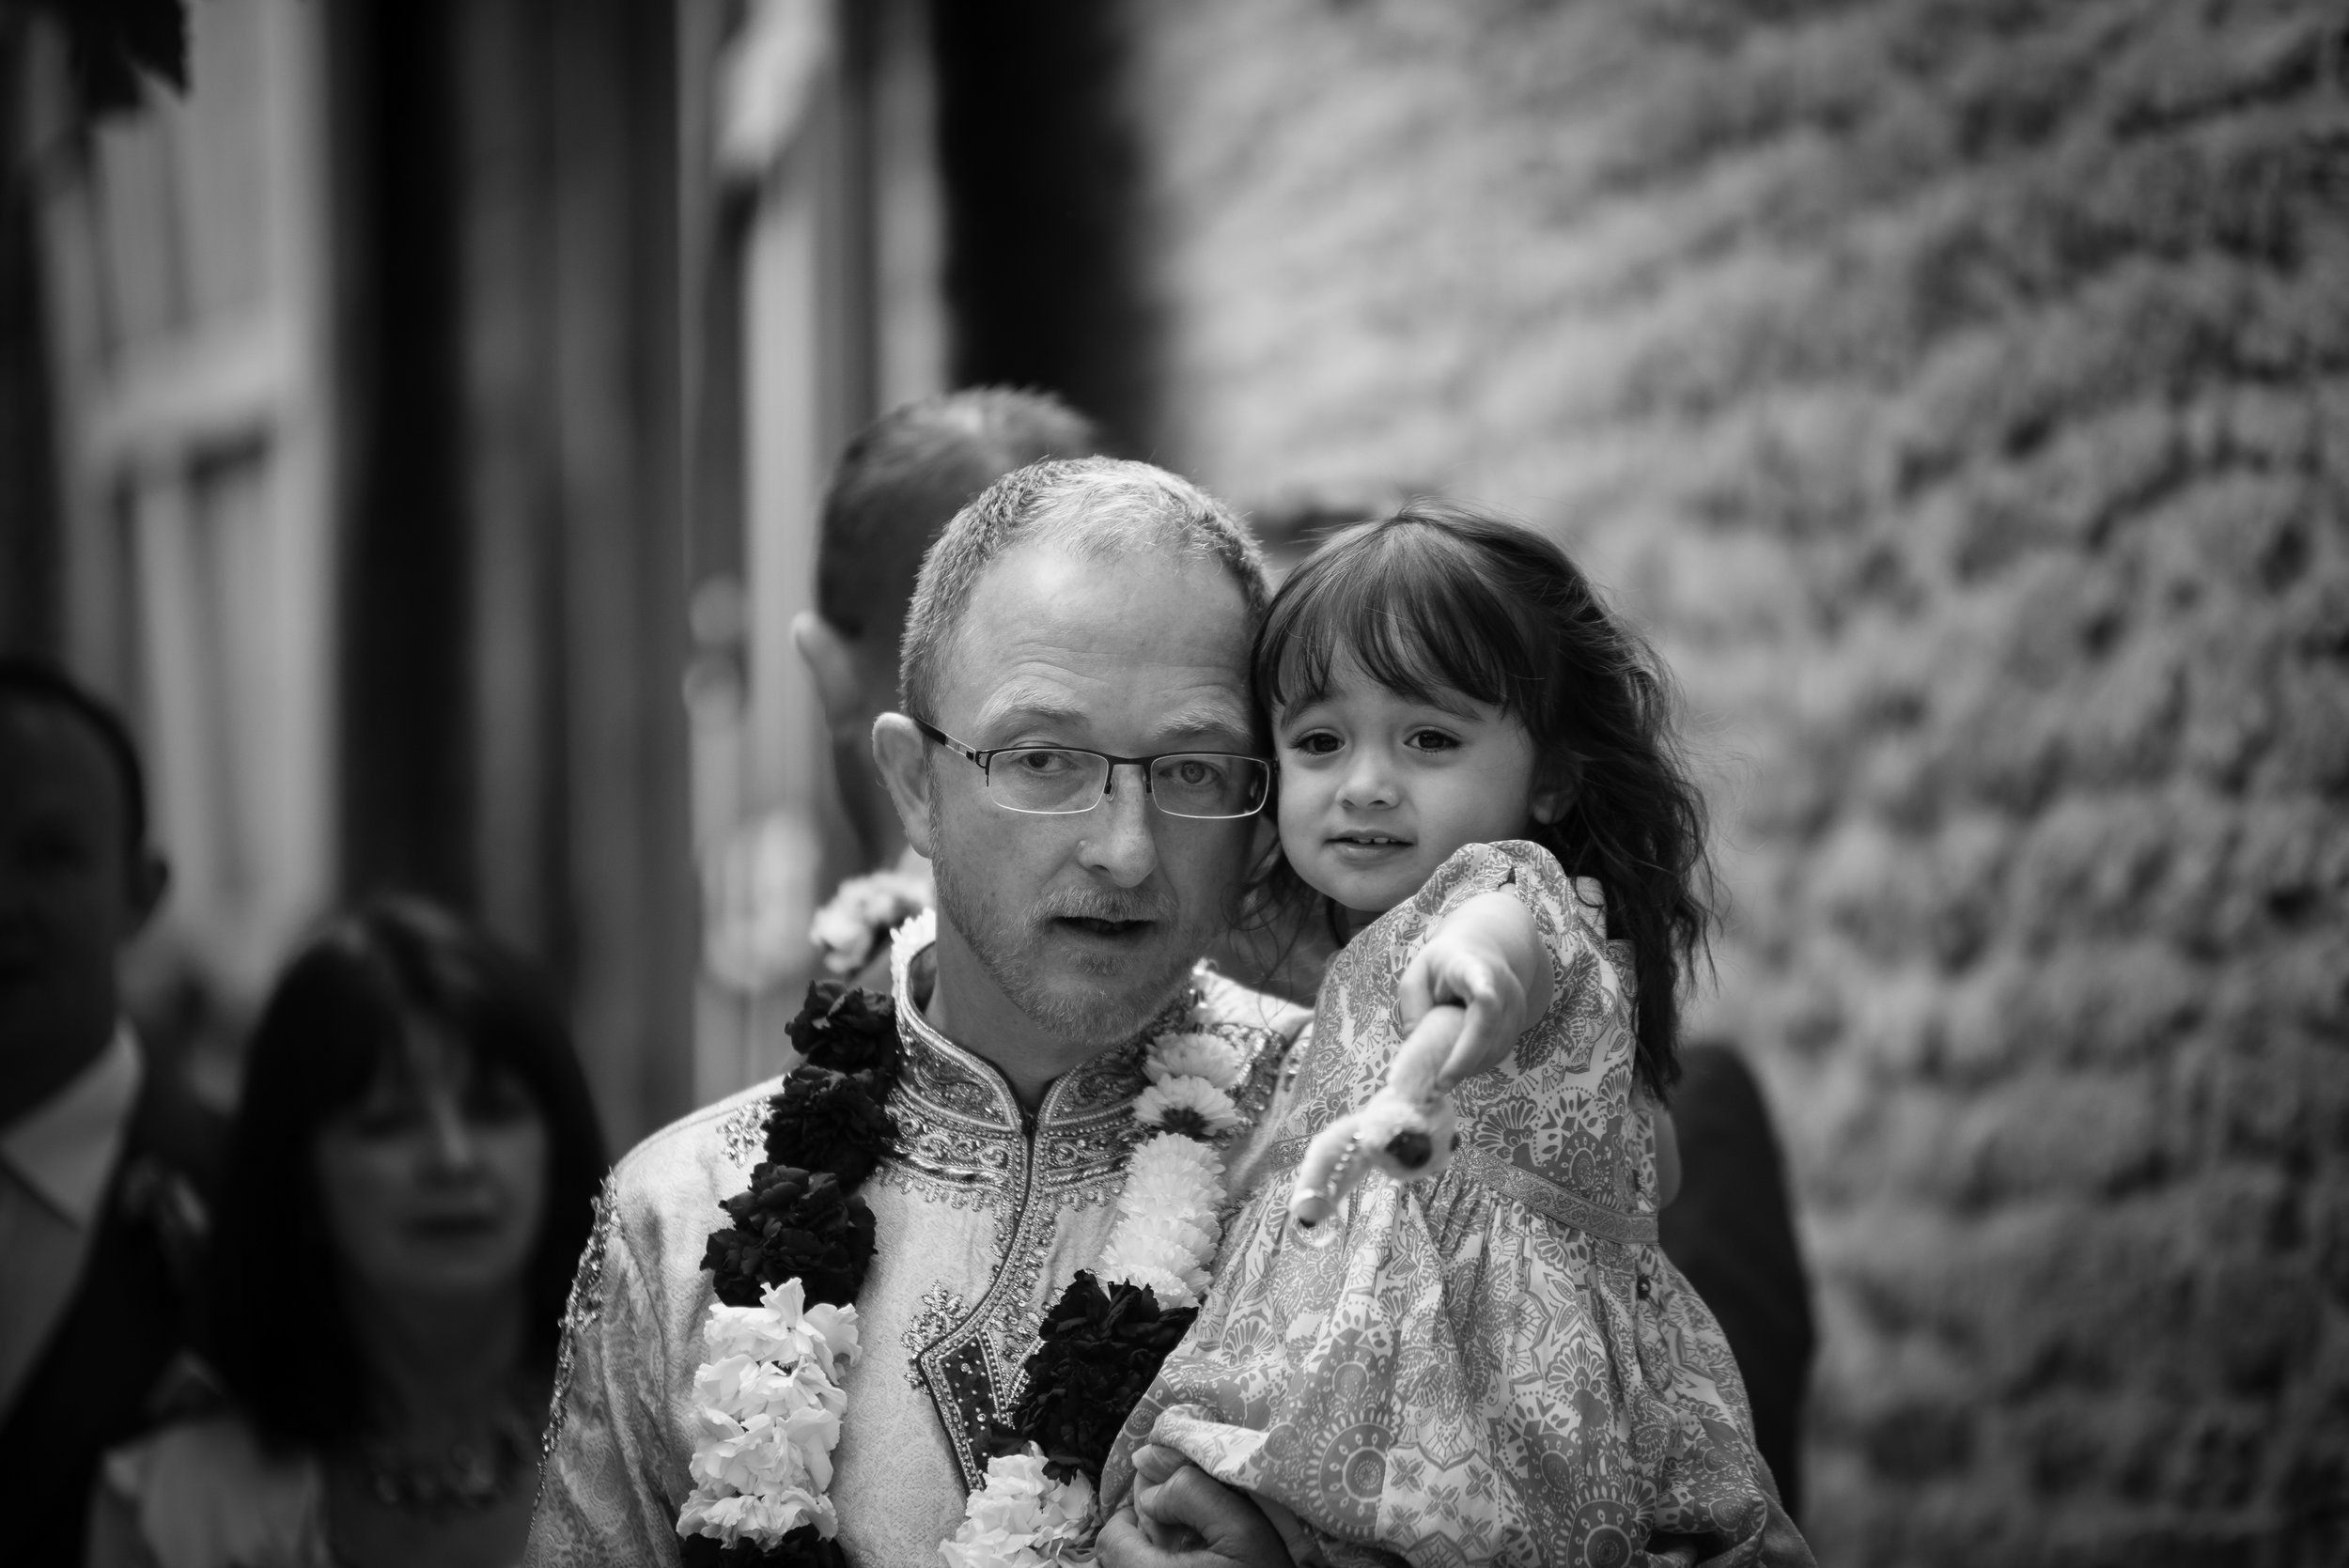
column 1440, row 597
column 274, row 1320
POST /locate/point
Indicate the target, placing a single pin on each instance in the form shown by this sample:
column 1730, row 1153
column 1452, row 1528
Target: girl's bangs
column 1410, row 609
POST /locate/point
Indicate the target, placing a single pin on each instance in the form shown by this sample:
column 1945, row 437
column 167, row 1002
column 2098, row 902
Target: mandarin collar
column 959, row 1083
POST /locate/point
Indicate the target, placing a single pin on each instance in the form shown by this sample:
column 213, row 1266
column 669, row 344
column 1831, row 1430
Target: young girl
column 1494, row 1362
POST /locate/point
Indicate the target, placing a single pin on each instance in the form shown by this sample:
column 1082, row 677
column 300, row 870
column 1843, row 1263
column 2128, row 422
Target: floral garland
column 769, row 1391
column 1102, row 1344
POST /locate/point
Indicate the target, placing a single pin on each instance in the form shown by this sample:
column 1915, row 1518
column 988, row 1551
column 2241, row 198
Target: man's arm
column 600, row 1497
column 1180, row 1516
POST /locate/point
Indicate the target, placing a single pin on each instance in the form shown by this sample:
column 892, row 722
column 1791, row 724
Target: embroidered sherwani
column 981, row 1222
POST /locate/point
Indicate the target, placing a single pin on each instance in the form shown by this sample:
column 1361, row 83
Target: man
column 101, row 1158
column 1732, row 1231
column 1094, row 606
column 895, row 488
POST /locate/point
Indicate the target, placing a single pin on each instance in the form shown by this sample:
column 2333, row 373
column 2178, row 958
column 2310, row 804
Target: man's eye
column 1043, row 765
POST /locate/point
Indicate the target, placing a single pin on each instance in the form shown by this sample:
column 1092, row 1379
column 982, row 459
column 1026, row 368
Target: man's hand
column 1486, row 956
column 1180, row 1516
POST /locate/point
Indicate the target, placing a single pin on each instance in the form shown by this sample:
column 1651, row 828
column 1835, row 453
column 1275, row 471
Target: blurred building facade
column 1961, row 393
column 418, row 424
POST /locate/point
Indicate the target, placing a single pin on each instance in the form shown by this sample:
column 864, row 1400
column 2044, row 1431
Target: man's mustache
column 1097, row 903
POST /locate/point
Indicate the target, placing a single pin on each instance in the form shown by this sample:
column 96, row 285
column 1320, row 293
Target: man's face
column 1088, row 922
column 70, row 894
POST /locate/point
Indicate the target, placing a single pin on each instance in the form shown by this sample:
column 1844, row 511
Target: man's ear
column 151, row 878
column 899, row 752
column 832, row 663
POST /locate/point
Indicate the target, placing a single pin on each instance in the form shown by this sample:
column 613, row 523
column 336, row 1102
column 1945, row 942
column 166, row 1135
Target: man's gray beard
column 1106, row 1017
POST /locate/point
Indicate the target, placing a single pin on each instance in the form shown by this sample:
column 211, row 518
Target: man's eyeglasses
column 1060, row 780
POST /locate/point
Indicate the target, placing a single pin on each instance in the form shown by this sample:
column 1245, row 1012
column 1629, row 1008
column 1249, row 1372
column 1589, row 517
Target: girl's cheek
column 1295, row 817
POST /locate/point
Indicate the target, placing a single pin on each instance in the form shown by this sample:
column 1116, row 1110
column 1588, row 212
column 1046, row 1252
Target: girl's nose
column 1368, row 784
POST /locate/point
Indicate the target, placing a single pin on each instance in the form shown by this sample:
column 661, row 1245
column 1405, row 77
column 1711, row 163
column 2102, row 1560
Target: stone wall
column 1961, row 394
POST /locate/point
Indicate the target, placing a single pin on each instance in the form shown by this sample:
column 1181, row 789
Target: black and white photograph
column 1174, row 783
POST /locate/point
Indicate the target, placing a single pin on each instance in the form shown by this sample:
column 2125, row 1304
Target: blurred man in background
column 897, row 484
column 103, row 1158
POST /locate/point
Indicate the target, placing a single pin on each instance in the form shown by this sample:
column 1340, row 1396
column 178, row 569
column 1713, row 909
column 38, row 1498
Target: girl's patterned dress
column 1497, row 1365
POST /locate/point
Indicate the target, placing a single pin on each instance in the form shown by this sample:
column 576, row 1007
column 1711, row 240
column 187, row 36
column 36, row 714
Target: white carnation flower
column 1167, row 1191
column 781, row 1328
column 1020, row 1518
column 849, row 928
column 770, row 1416
column 762, row 1521
column 1182, row 1237
column 1191, row 1106
column 1169, row 1165
column 1206, row 1056
column 1172, row 1290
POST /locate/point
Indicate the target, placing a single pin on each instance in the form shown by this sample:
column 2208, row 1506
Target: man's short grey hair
column 1095, row 508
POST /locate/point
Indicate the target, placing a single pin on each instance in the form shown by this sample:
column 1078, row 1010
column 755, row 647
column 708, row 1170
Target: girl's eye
column 1319, row 743
column 384, row 1117
column 497, row 1098
column 1429, row 740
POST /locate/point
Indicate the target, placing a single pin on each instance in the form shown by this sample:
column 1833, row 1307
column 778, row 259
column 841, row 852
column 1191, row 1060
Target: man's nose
column 1121, row 829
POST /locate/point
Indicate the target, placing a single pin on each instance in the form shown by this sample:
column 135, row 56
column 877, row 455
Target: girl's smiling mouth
column 1361, row 844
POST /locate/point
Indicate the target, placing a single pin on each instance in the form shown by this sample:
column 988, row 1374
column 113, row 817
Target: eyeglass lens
column 1204, row 784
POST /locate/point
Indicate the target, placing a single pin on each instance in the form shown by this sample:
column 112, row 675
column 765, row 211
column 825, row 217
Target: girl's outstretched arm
column 1488, row 957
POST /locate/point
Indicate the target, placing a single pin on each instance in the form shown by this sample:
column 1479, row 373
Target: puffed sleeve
column 1568, row 911
column 1552, row 1124
column 604, row 1493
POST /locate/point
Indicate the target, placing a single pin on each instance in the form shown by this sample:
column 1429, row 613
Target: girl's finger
column 1487, row 1033
column 1414, row 1072
column 1414, row 993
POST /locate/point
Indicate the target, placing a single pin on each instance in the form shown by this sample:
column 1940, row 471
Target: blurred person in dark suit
column 899, row 482
column 104, row 1157
column 1731, row 1231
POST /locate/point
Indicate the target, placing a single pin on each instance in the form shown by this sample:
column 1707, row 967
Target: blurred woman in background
column 410, row 1183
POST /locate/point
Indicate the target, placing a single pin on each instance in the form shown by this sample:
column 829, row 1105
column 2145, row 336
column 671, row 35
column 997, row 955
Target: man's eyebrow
column 1031, row 707
column 1211, row 722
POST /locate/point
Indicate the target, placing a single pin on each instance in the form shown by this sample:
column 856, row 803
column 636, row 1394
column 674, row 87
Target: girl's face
column 434, row 1182
column 1378, row 789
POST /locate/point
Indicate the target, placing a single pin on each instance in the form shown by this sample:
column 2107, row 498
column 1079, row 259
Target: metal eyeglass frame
column 983, row 760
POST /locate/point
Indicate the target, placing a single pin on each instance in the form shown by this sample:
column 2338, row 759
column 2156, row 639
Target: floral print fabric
column 1497, row 1365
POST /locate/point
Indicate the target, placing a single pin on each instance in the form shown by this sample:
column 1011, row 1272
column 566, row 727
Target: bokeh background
column 416, row 412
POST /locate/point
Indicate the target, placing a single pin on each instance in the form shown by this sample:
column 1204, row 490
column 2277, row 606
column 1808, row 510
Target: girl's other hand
column 1486, row 956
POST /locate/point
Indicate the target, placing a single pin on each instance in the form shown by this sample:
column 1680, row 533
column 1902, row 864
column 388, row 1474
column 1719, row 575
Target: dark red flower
column 791, row 1224
column 1097, row 1351
column 829, row 1120
column 849, row 1030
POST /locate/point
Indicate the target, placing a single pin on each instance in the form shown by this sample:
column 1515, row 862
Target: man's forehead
column 1059, row 635
column 1179, row 703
